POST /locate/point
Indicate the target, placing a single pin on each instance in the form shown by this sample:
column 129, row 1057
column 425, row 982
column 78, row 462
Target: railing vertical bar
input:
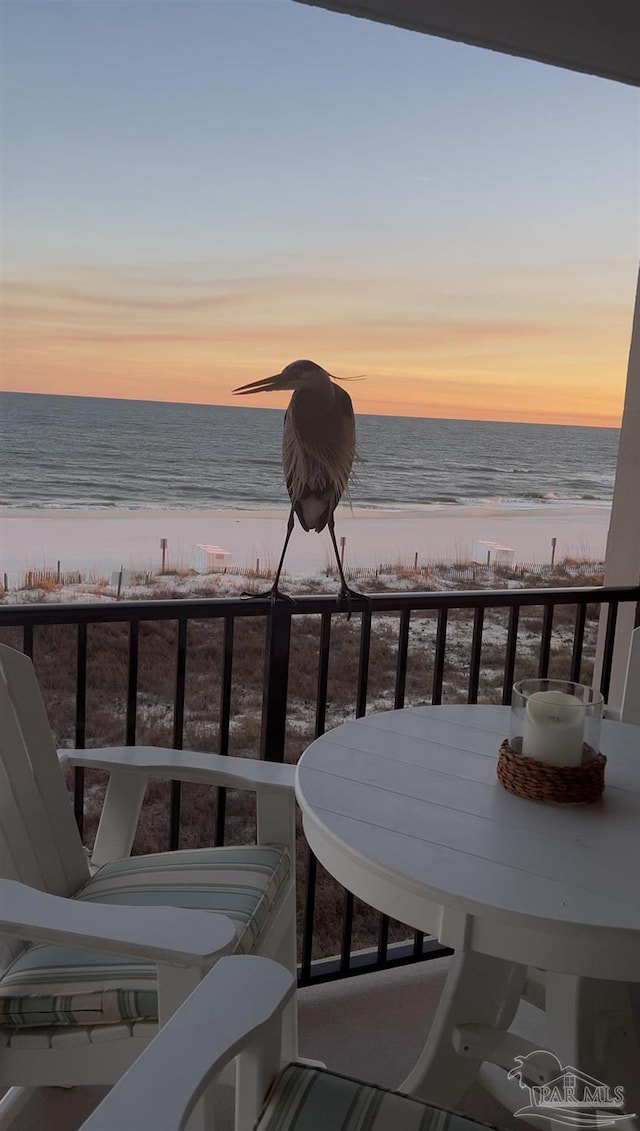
column 27, row 640
column 323, row 673
column 510, row 658
column 383, row 939
column 225, row 684
column 401, row 667
column 363, row 665
column 476, row 655
column 81, row 723
column 181, row 679
column 225, row 719
column 276, row 683
column 438, row 664
column 545, row 642
column 609, row 642
column 312, row 864
column 132, row 683
column 347, row 929
column 309, row 914
column 178, row 730
column 578, row 642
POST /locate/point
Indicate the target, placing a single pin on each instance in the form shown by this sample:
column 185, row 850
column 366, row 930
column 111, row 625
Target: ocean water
column 86, row 452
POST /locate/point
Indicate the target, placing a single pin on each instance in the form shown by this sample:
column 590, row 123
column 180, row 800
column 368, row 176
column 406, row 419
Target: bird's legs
column 345, row 590
column 274, row 591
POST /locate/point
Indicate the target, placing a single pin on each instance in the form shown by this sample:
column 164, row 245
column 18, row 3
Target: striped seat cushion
column 312, row 1099
column 56, row 985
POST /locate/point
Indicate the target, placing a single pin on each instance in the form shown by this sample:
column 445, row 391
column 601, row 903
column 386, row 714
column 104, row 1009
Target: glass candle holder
column 555, row 721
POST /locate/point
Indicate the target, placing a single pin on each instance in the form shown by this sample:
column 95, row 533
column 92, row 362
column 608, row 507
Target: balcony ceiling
column 597, row 37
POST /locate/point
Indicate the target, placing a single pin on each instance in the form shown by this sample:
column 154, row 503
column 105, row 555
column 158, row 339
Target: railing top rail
column 204, row 608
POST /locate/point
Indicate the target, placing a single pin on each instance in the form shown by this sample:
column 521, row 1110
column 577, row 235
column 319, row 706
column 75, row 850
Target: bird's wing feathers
column 318, row 450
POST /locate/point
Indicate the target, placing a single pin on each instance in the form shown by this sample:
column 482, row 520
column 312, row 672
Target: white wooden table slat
column 476, row 841
column 455, row 878
column 476, row 795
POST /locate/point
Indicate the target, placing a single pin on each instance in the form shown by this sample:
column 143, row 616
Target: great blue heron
column 318, row 449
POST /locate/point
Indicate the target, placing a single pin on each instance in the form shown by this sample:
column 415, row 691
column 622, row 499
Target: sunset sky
column 198, row 193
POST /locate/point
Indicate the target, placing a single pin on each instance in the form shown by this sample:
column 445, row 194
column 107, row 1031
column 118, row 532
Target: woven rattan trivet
column 540, row 781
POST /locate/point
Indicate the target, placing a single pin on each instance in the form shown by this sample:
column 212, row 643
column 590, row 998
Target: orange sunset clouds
column 497, row 344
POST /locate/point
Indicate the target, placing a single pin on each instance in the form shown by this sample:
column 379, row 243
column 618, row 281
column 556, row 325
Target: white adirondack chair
column 160, row 1090
column 70, row 1017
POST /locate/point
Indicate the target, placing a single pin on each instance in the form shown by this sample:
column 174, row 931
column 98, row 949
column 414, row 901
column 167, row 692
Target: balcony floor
column 371, row 1027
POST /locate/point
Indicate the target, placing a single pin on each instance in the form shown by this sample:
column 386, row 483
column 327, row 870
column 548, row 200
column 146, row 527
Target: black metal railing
column 590, row 605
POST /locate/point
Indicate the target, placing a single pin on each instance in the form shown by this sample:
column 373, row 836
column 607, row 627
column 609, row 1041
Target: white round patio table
column 404, row 809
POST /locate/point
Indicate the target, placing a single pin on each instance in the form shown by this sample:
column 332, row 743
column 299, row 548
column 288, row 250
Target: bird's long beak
column 265, row 385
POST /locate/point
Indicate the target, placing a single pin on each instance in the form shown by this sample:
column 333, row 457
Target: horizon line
column 269, row 408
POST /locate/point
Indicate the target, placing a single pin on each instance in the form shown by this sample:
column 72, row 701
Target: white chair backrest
column 630, row 710
column 39, row 840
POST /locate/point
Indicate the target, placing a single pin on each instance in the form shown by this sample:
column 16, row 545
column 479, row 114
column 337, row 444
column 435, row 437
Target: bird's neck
column 317, row 398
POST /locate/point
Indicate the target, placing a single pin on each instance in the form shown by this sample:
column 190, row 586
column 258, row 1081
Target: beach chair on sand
column 83, row 980
column 237, row 1010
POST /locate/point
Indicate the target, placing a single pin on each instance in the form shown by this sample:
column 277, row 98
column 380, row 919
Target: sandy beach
column 103, row 540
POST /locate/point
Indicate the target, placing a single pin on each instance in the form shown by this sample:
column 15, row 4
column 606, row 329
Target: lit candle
column 554, row 728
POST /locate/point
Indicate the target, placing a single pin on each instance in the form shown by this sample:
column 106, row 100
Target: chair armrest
column 131, row 767
column 167, row 935
column 186, row 765
column 236, row 1006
